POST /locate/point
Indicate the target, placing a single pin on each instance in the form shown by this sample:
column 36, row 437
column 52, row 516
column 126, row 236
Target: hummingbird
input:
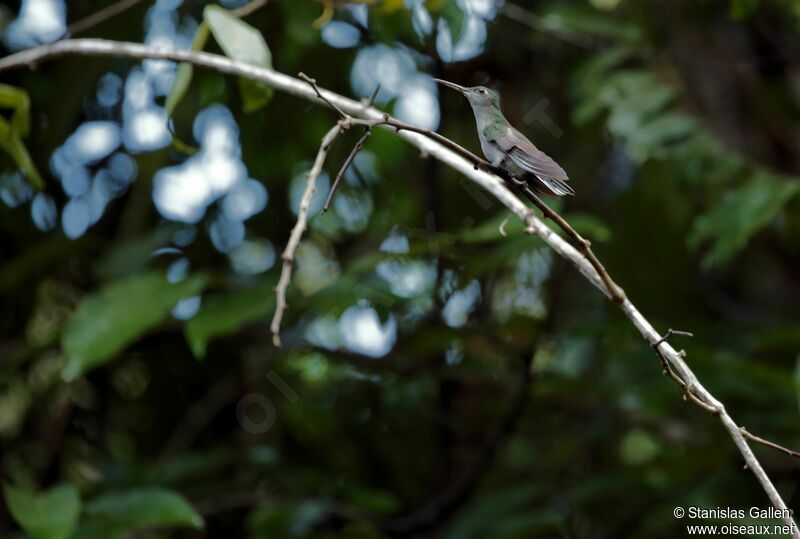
column 508, row 149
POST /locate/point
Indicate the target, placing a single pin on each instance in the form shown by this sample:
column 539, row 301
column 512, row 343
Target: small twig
column 444, row 141
column 767, row 443
column 664, row 362
column 101, row 16
column 616, row 292
column 397, row 124
column 613, row 290
column 670, row 333
column 299, row 228
column 357, row 148
column 248, row 9
column 374, row 96
column 688, row 390
column 313, row 83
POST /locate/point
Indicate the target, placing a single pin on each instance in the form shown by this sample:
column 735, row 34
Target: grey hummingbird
column 507, row 148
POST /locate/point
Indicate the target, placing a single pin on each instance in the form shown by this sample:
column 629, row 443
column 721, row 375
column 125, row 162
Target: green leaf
column 455, row 18
column 287, row 520
column 106, row 322
column 740, row 214
column 224, row 314
column 50, row 514
column 183, row 147
column 638, row 447
column 589, row 23
column 11, row 143
column 17, row 99
column 183, row 76
column 255, row 94
column 655, row 137
column 131, row 256
column 743, row 9
column 144, row 508
column 242, row 42
column 482, row 515
column 592, row 75
column 589, row 226
column 12, row 133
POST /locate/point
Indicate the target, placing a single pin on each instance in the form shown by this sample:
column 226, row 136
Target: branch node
column 313, row 84
column 767, row 443
column 347, row 162
column 670, row 333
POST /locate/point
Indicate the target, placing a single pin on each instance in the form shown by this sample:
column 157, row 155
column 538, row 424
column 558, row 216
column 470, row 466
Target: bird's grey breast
column 491, row 149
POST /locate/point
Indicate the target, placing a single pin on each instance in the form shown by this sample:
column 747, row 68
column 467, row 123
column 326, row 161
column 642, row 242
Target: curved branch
column 445, row 154
column 299, row 229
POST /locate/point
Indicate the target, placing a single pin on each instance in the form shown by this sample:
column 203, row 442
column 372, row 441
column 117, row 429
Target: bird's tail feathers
column 554, row 187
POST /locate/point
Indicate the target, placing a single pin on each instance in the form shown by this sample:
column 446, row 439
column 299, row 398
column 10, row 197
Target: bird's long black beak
column 452, row 85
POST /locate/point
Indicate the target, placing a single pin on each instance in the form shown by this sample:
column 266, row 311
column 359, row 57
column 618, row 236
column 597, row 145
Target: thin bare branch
column 249, row 8
column 313, row 83
column 767, row 443
column 689, row 394
column 299, row 229
column 101, row 16
column 670, row 333
column 374, row 96
column 357, row 148
column 446, row 152
column 612, row 289
column 122, row 6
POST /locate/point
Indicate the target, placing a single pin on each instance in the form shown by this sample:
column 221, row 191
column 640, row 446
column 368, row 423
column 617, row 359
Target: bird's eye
column 481, row 91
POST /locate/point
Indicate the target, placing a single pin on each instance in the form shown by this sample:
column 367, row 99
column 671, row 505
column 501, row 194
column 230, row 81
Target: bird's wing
column 527, row 156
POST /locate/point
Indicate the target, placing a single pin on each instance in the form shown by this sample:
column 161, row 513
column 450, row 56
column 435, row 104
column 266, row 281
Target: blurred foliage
column 441, row 377
column 14, row 130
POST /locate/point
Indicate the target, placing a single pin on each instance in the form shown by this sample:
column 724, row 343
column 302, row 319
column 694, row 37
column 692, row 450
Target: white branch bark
column 296, row 87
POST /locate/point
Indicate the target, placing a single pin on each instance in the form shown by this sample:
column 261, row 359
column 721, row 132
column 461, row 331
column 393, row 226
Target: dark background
column 528, row 406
